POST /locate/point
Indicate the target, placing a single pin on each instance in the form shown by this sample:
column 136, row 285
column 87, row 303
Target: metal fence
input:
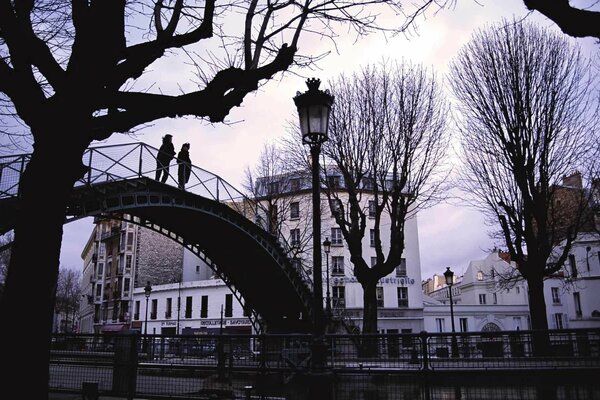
column 491, row 365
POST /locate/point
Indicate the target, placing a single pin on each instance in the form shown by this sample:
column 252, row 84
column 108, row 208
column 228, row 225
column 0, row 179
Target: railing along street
column 277, row 365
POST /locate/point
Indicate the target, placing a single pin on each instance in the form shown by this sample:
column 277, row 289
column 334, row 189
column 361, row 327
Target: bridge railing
column 108, row 163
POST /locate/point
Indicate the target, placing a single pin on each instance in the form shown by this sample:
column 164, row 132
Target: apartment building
column 288, row 200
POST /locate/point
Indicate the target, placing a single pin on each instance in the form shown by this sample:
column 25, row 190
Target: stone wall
column 158, row 258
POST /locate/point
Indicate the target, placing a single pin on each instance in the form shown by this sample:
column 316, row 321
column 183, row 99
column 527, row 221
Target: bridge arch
column 250, row 260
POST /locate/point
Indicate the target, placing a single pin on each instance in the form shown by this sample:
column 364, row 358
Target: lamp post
column 147, row 292
column 449, row 276
column 313, row 107
column 178, row 305
column 327, row 248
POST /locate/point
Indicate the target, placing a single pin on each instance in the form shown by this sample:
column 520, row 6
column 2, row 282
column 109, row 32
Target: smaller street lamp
column 327, row 249
column 147, row 292
column 449, row 276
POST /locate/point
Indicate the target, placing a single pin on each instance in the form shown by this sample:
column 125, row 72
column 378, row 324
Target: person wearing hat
column 164, row 157
column 185, row 165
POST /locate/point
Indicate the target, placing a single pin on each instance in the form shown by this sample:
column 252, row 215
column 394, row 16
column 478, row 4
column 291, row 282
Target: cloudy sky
column 449, row 234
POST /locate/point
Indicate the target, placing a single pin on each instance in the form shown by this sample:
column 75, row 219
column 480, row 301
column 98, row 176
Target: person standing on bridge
column 185, row 165
column 164, row 157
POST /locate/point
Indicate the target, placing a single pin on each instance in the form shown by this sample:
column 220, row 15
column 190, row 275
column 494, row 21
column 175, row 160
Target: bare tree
column 280, row 188
column 525, row 124
column 72, row 72
column 68, row 295
column 579, row 20
column 387, row 141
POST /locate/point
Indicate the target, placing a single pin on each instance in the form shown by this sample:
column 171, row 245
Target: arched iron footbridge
column 209, row 217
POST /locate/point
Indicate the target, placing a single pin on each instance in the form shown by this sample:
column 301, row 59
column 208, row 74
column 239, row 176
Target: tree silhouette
column 77, row 71
column 526, row 122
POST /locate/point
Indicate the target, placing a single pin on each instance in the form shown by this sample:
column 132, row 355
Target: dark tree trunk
column 28, row 301
column 537, row 303
column 370, row 307
column 539, row 320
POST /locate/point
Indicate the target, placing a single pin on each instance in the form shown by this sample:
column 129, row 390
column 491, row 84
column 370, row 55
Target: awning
column 113, row 327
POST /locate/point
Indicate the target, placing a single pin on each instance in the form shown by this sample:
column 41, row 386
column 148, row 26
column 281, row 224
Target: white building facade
column 399, row 301
column 573, row 295
column 481, row 301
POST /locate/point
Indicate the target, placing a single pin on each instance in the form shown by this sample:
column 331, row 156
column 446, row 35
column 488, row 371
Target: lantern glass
column 449, row 275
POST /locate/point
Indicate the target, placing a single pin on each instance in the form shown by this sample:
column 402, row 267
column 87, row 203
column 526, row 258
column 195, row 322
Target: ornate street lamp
column 326, row 249
column 449, row 276
column 314, row 107
column 147, row 292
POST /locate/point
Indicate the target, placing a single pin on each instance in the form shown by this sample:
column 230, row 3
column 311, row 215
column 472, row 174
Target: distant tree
column 279, row 188
column 72, row 72
column 68, row 296
column 526, row 121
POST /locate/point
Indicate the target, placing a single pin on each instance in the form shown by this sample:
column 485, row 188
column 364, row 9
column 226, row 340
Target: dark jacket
column 185, row 165
column 166, row 153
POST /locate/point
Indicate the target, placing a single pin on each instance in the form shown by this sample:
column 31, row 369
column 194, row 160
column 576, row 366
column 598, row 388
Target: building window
column 479, row 275
column 368, row 183
column 402, row 297
column 128, row 262
column 336, row 236
column 168, row 308
column 295, row 210
column 371, row 208
column 333, row 182
column 573, row 265
column 188, row 306
column 100, row 270
column 295, row 237
column 577, row 302
column 136, row 313
column 558, row 321
column 440, row 324
column 495, row 298
column 372, row 237
column 401, row 268
column 337, row 265
column 373, row 261
column 154, row 309
column 482, row 299
column 273, row 187
column 294, row 184
column 555, row 295
column 129, row 241
column 228, row 305
column 296, row 264
column 335, row 205
column 518, row 289
column 126, row 286
column 197, row 269
column 464, row 324
column 379, row 295
column 204, row 307
column 338, row 296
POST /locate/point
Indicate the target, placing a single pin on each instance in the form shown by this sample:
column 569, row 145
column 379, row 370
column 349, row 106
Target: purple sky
column 449, row 235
